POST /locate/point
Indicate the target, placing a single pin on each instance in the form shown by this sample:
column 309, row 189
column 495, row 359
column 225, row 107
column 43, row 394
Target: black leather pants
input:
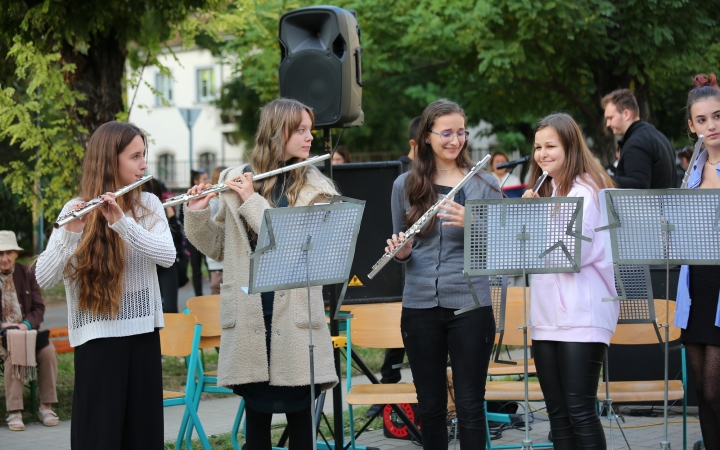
column 569, row 373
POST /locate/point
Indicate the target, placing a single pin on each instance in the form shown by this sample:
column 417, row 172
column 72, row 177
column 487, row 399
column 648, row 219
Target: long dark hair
column 419, row 185
column 579, row 161
column 99, row 260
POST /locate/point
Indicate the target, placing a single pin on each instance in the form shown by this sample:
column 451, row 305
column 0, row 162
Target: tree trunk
column 99, row 76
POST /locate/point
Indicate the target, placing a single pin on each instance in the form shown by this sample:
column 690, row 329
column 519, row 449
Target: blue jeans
column 429, row 336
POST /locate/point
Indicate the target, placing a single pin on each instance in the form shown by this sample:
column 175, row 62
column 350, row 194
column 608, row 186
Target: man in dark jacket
column 647, row 159
column 22, row 307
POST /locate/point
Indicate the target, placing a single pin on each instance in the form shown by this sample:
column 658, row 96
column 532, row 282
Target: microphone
column 517, row 162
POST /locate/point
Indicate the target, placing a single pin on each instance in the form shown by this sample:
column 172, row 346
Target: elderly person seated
column 22, row 308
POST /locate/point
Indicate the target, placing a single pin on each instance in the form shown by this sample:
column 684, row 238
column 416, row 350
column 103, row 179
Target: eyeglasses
column 447, row 136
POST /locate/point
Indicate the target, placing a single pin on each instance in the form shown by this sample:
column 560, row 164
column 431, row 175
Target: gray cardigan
column 434, row 270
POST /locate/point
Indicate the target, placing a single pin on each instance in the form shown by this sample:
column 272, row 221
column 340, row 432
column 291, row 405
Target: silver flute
column 220, row 187
column 417, row 226
column 693, row 158
column 540, row 182
column 95, row 203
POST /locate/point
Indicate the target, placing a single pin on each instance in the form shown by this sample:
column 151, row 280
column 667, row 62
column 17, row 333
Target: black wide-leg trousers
column 117, row 402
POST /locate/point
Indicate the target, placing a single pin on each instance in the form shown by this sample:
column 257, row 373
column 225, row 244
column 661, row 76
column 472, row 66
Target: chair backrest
column 377, row 326
column 635, row 334
column 514, row 315
column 207, row 310
column 176, row 338
column 498, row 291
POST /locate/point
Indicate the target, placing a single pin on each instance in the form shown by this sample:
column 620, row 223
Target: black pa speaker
column 320, row 64
column 373, row 183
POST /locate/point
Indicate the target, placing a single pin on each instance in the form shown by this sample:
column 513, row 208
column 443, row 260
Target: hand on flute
column 396, row 240
column 77, row 225
column 454, row 214
column 242, row 185
column 202, row 202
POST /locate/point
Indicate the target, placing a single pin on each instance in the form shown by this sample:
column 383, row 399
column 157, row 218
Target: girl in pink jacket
column 570, row 325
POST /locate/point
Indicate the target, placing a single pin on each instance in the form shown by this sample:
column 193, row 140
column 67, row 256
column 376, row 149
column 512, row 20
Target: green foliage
column 508, row 62
column 63, row 76
column 37, row 120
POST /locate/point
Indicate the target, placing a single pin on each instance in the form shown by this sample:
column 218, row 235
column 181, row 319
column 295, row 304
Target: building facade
column 158, row 108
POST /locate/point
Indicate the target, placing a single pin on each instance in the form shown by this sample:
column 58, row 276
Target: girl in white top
column 107, row 260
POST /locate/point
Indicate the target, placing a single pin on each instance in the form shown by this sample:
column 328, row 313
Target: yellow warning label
column 355, row 281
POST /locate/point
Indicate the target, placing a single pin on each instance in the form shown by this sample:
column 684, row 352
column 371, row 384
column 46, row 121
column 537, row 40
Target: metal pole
column 527, row 442
column 327, row 142
column 665, row 444
column 307, row 247
column 191, row 138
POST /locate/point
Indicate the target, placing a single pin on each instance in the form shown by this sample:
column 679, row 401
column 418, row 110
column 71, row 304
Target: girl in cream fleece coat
column 570, row 324
column 264, row 343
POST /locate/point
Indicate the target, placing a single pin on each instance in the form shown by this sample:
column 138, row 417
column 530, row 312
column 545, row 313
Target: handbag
column 41, row 341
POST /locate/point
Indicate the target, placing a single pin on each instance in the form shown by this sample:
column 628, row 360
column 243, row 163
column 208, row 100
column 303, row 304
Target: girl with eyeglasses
column 265, row 340
column 434, row 284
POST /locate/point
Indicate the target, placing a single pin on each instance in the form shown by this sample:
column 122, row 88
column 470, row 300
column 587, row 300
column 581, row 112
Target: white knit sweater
column 148, row 242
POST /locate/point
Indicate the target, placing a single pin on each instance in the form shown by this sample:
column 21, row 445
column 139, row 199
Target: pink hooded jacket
column 568, row 307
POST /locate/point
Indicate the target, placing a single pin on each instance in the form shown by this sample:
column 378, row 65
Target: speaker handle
column 358, row 66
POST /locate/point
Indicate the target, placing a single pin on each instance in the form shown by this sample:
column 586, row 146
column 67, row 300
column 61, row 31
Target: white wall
column 165, row 126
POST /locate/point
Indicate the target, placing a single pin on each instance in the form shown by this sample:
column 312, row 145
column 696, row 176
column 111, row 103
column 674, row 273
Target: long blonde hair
column 99, row 260
column 278, row 120
column 579, row 161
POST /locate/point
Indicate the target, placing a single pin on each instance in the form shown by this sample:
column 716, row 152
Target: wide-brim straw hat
column 8, row 241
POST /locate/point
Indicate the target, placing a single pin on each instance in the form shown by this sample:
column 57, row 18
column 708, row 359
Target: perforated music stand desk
column 661, row 226
column 306, row 246
column 522, row 236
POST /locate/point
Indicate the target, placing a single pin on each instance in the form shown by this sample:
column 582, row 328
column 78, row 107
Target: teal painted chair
column 181, row 338
column 207, row 310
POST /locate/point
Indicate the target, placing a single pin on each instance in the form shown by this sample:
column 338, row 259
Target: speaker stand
column 327, row 140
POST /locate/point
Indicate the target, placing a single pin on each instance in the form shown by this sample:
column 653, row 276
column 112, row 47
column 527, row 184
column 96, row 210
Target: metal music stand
column 637, row 306
column 302, row 247
column 522, row 236
column 660, row 226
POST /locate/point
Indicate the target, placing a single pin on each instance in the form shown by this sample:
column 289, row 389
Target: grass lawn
column 174, row 375
column 224, row 441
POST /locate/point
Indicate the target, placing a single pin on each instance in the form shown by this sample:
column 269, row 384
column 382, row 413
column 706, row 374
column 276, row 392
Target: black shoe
column 373, row 410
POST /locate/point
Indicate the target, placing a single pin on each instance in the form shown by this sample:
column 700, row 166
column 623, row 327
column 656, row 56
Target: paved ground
column 217, row 416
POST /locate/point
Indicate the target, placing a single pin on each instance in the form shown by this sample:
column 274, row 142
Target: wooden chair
column 508, row 319
column 647, row 390
column 207, row 310
column 181, row 338
column 377, row 326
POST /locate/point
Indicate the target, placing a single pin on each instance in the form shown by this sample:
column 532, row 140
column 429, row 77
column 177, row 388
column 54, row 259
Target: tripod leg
column 607, row 404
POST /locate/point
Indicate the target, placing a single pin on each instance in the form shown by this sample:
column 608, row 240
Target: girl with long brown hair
column 107, row 260
column 698, row 308
column 434, row 285
column 570, row 324
column 264, row 340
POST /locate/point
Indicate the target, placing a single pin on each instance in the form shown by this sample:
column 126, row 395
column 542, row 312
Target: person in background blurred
column 22, row 308
column 341, row 155
column 499, row 157
column 196, row 258
column 168, row 278
column 683, row 157
column 215, row 267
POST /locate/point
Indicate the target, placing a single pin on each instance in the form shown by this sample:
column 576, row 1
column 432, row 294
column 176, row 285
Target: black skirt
column 265, row 398
column 704, row 291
